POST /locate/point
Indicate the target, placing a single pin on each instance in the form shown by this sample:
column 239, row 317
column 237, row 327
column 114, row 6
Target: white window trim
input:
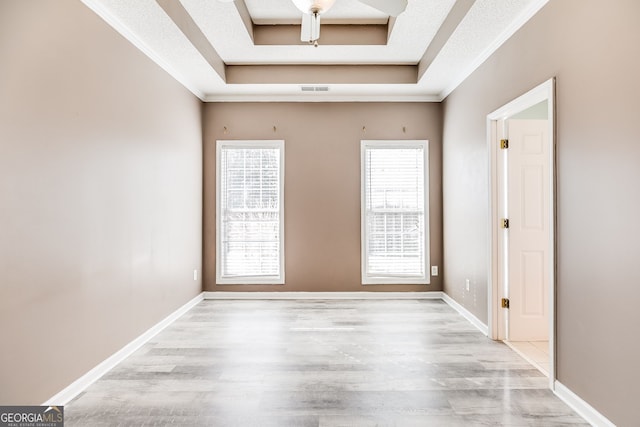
column 253, row 280
column 393, row 280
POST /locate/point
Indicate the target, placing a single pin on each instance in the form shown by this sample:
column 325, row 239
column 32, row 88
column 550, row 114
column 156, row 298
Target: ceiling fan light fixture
column 312, row 9
column 313, row 6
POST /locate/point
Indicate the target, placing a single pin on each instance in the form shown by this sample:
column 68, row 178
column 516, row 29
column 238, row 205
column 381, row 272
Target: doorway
column 521, row 293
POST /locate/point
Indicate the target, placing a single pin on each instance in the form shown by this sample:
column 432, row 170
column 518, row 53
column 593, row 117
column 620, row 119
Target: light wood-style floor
column 321, row 363
column 535, row 352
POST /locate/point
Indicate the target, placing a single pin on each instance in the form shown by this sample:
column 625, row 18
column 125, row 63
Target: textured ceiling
column 432, row 36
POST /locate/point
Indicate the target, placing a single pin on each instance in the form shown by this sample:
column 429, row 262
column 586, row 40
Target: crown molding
column 315, row 97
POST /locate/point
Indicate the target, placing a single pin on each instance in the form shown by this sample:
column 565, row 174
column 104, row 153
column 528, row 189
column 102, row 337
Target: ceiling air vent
column 315, row 88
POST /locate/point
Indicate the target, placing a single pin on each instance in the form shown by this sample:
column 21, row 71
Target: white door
column 528, row 232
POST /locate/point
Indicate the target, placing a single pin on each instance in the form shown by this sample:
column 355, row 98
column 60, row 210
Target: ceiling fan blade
column 310, row 30
column 390, row 7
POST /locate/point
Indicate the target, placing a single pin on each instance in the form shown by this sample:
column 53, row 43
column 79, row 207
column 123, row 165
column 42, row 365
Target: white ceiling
column 284, row 12
column 486, row 25
column 409, row 38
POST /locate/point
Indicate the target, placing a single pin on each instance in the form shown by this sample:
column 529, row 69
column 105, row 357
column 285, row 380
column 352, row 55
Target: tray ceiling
column 250, row 50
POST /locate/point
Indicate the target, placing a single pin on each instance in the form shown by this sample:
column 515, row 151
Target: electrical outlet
column 467, row 284
column 434, row 270
column 195, row 274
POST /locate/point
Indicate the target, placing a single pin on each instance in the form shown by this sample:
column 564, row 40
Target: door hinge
column 505, row 302
column 504, row 144
column 504, row 223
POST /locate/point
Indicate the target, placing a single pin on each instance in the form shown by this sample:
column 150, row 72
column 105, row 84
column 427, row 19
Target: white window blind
column 250, row 212
column 395, row 212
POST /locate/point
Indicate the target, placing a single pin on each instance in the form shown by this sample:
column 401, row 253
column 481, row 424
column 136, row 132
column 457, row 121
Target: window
column 249, row 210
column 395, row 214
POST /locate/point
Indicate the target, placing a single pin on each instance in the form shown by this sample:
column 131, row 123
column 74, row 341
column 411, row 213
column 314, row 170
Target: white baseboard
column 585, row 410
column 466, row 314
column 79, row 385
column 320, row 295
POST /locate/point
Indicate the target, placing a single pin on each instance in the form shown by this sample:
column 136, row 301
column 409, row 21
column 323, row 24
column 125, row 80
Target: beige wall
column 591, row 47
column 322, row 183
column 100, row 195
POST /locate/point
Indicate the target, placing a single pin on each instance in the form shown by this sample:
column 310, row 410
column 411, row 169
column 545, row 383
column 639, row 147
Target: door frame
column 497, row 317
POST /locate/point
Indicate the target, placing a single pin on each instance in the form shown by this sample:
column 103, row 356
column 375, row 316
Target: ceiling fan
column 312, row 9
